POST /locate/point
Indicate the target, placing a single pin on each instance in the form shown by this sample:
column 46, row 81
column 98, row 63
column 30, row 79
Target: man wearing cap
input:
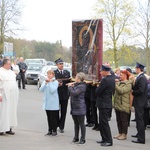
column 63, row 77
column 140, row 90
column 104, row 103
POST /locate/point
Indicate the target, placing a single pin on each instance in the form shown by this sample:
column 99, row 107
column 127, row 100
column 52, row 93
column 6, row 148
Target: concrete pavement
column 32, row 126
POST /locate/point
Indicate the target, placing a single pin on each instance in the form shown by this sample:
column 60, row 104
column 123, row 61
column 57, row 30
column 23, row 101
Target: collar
column 139, row 74
column 60, row 70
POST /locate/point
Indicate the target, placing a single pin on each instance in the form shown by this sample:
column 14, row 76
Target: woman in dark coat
column 78, row 106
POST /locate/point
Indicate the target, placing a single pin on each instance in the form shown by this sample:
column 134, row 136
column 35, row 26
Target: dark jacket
column 105, row 91
column 77, row 93
column 140, row 90
column 148, row 94
column 63, row 90
column 22, row 66
column 122, row 96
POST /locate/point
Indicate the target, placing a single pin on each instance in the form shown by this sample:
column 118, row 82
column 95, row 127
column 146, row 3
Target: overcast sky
column 51, row 20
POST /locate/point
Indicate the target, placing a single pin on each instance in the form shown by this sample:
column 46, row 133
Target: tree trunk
column 115, row 55
column 147, row 60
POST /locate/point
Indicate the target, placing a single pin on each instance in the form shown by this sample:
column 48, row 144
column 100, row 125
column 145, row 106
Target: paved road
column 32, row 126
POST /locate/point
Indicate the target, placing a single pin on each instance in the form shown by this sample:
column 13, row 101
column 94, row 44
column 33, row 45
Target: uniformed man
column 104, row 103
column 139, row 93
column 63, row 76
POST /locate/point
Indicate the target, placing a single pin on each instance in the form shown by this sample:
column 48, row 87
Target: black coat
column 105, row 91
column 77, row 93
column 140, row 90
column 63, row 90
column 22, row 66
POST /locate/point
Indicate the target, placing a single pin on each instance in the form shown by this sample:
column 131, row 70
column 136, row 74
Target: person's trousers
column 22, row 79
column 52, row 119
column 146, row 117
column 94, row 112
column 63, row 112
column 89, row 115
column 79, row 124
column 122, row 121
column 105, row 132
column 140, row 124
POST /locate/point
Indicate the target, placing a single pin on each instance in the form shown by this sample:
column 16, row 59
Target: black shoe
column 95, row 127
column 10, row 132
column 139, row 142
column 75, row 140
column 24, row 88
column 61, row 130
column 106, row 144
column 135, row 136
column 99, row 142
column 82, row 142
column 1, row 133
column 90, row 125
column 133, row 120
column 87, row 125
column 49, row 133
column 19, row 87
column 54, row 133
column 148, row 126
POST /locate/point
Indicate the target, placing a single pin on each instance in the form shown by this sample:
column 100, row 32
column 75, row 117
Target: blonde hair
column 117, row 69
column 50, row 72
column 81, row 76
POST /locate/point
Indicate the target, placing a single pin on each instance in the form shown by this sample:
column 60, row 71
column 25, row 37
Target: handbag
column 18, row 77
column 148, row 103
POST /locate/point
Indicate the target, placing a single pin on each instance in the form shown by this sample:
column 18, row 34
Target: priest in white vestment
column 9, row 94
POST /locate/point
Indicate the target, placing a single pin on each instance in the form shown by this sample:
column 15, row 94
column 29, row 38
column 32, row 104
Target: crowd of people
column 94, row 102
column 120, row 90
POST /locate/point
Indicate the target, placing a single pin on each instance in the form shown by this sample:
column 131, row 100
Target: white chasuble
column 10, row 94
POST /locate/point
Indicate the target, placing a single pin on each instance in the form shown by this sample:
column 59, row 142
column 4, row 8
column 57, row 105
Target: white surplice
column 10, row 94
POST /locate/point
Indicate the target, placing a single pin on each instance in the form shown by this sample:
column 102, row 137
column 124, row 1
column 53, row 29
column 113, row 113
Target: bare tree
column 143, row 28
column 117, row 16
column 10, row 13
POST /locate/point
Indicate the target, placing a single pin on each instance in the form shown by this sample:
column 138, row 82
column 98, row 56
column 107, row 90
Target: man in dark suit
column 104, row 103
column 63, row 76
column 22, row 67
column 140, row 90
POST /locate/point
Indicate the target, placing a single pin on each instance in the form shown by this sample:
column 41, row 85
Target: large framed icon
column 87, row 48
